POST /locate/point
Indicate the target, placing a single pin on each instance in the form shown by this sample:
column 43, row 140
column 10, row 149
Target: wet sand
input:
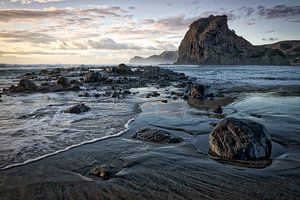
column 147, row 170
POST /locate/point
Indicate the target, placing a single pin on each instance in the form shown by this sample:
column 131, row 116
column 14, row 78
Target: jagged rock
column 62, row 81
column 210, row 41
column 197, row 91
column 24, row 85
column 156, row 135
column 79, row 108
column 217, row 109
column 240, row 139
column 103, row 171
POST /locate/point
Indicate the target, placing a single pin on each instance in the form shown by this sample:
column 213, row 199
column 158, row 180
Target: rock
column 84, row 94
column 122, row 68
column 197, row 91
column 164, row 58
column 24, row 85
column 156, row 135
column 240, row 139
column 290, row 48
column 210, row 41
column 103, row 171
column 217, row 109
column 62, row 81
column 164, row 101
column 92, row 77
column 79, row 108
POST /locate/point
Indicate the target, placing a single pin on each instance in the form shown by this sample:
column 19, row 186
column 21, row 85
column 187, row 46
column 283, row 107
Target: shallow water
column 34, row 125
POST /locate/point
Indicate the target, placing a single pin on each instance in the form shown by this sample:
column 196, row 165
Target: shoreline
column 167, row 171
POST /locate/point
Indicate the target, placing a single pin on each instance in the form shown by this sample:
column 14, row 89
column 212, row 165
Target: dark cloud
column 271, row 39
column 291, row 13
column 131, row 7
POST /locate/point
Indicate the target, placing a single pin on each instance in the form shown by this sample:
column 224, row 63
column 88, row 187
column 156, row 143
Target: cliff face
column 290, row 48
column 210, row 41
column 164, row 58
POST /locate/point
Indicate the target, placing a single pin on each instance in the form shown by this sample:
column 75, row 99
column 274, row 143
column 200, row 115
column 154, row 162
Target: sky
column 113, row 31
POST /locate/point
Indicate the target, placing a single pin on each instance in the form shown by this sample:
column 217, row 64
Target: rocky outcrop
column 240, row 139
column 79, row 108
column 24, row 85
column 290, row 48
column 210, row 41
column 197, row 91
column 156, row 135
column 166, row 57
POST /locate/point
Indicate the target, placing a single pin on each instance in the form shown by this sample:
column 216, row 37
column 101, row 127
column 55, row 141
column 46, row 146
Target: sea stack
column 210, row 41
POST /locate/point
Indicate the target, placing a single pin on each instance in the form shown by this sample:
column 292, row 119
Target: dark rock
column 217, row 109
column 164, row 101
column 240, row 139
column 210, row 41
column 84, row 94
column 122, row 68
column 197, row 91
column 185, row 97
column 105, row 172
column 62, row 81
column 24, row 85
column 79, row 108
column 156, row 135
column 92, row 77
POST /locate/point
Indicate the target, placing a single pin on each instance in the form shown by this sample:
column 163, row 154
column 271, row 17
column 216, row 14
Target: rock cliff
column 210, row 41
column 290, row 48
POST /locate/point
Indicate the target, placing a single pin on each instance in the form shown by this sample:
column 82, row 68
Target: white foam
column 70, row 147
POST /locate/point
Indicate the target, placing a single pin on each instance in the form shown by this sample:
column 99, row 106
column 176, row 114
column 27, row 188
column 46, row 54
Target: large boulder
column 197, row 91
column 79, row 108
column 156, row 135
column 240, row 139
column 24, row 85
column 122, row 68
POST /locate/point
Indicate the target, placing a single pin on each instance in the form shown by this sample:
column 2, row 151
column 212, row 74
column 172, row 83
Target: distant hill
column 166, row 57
column 290, row 48
column 210, row 41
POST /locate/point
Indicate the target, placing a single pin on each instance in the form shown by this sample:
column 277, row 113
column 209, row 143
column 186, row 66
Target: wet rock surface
column 79, row 108
column 197, row 91
column 105, row 172
column 240, row 139
column 156, row 135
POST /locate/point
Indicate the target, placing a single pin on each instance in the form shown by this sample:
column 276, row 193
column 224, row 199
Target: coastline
column 177, row 171
column 146, row 170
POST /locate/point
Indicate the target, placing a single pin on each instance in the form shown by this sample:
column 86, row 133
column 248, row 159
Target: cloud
column 131, row 7
column 280, row 11
column 271, row 39
column 7, row 15
column 34, row 1
column 110, row 44
column 34, row 53
column 26, row 36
